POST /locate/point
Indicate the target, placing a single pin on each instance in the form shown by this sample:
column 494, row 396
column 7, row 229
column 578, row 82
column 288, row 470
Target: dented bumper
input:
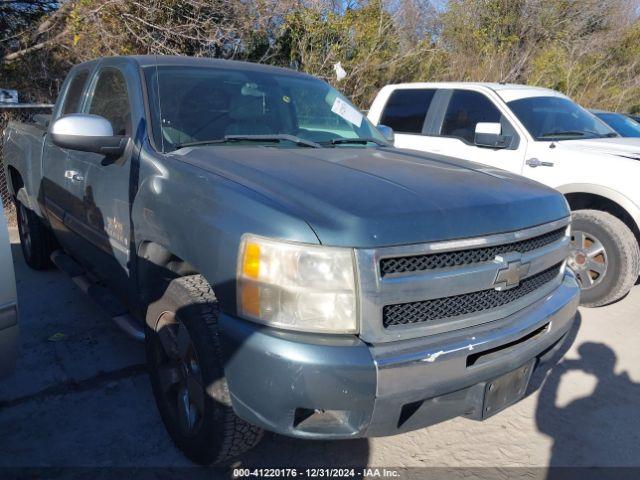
column 311, row 386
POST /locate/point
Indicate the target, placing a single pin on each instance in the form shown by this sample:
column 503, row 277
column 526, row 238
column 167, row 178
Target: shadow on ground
column 601, row 428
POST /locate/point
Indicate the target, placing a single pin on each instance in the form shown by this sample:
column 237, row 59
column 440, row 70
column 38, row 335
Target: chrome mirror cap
column 82, row 125
column 88, row 133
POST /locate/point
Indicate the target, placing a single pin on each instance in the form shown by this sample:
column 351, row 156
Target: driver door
column 454, row 131
column 106, row 201
column 63, row 174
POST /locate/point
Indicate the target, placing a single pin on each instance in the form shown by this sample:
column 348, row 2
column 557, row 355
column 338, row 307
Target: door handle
column 534, row 162
column 73, row 176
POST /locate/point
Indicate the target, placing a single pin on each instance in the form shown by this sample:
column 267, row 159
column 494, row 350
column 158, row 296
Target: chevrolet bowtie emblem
column 510, row 276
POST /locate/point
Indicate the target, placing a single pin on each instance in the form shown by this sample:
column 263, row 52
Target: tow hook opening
column 319, row 420
column 407, row 412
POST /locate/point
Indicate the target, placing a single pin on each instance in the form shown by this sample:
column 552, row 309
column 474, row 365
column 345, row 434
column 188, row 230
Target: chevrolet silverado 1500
column 286, row 267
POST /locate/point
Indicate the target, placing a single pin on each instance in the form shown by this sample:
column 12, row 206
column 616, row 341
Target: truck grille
column 475, row 302
column 457, row 258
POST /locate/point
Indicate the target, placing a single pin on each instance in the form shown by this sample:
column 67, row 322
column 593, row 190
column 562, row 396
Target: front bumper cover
column 329, row 387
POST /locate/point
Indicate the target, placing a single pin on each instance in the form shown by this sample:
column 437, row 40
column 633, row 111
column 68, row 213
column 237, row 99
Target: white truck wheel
column 604, row 256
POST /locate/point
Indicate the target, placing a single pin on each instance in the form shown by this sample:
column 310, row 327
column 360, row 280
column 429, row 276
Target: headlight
column 297, row 286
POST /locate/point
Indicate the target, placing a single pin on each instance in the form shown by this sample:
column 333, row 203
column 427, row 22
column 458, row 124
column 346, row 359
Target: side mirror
column 88, row 133
column 489, row 135
column 387, row 133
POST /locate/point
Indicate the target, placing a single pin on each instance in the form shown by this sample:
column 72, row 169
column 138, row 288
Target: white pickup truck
column 543, row 135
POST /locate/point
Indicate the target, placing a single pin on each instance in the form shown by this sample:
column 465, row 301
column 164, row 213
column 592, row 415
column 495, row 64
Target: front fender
column 200, row 218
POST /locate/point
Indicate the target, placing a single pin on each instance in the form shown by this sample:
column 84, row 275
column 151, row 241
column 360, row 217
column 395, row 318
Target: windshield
column 558, row 118
column 218, row 106
column 625, row 126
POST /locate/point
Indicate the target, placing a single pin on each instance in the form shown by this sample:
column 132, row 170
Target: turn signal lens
column 251, row 265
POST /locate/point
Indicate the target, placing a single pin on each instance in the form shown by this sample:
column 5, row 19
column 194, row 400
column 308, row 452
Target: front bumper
column 8, row 338
column 331, row 387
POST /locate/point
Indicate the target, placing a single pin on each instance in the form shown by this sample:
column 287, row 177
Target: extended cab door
column 62, row 173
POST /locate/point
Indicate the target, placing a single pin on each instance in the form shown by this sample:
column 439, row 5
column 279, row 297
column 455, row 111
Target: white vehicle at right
column 544, row 135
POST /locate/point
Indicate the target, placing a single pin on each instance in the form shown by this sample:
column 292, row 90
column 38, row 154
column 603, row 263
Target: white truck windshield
column 557, row 118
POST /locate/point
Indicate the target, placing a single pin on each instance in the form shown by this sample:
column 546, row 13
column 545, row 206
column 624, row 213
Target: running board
column 99, row 294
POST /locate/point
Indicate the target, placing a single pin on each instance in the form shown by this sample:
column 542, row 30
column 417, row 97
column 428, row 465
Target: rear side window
column 406, row 110
column 111, row 101
column 73, row 97
column 465, row 110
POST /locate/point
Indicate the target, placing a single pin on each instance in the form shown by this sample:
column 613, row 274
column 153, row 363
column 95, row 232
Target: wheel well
column 581, row 201
column 16, row 180
column 157, row 266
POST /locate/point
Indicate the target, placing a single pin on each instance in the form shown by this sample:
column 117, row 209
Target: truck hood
column 370, row 197
column 621, row 147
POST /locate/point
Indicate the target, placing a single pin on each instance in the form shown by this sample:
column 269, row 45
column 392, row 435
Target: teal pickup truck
column 286, row 268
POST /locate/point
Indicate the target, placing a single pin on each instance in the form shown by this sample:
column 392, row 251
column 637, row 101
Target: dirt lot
column 80, row 397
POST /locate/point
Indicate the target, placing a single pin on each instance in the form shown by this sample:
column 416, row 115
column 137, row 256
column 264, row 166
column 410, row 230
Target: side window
column 111, row 101
column 73, row 97
column 465, row 110
column 406, row 110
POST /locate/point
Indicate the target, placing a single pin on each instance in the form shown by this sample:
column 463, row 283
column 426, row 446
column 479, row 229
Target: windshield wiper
column 254, row 138
column 578, row 133
column 562, row 133
column 602, row 135
column 358, row 141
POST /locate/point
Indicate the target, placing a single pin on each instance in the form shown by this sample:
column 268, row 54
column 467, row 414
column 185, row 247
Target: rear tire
column 36, row 240
column 187, row 374
column 604, row 255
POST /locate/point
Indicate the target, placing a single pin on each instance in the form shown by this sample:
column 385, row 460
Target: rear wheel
column 604, row 256
column 187, row 374
column 36, row 239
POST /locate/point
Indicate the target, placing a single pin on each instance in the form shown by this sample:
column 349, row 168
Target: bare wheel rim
column 25, row 232
column 179, row 375
column 588, row 259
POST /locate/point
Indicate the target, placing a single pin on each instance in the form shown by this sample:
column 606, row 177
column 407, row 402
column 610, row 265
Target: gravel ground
column 80, row 397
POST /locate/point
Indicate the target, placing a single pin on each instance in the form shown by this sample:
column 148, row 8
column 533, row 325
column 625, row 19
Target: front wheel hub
column 580, row 258
column 179, row 374
column 588, row 259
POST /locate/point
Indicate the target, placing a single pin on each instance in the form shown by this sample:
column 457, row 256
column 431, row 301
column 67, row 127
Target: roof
column 169, row 60
column 508, row 91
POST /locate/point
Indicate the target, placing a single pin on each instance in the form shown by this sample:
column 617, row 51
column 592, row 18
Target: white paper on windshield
column 346, row 111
